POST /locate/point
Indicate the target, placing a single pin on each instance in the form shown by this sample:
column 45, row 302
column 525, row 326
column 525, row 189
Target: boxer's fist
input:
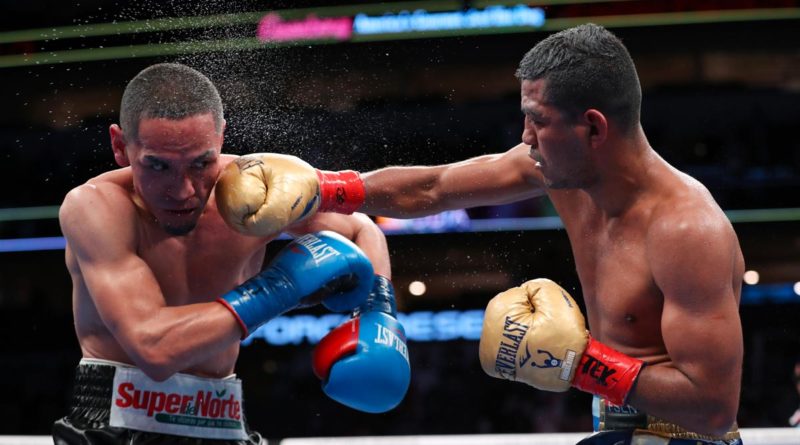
column 322, row 266
column 262, row 194
column 364, row 363
column 536, row 334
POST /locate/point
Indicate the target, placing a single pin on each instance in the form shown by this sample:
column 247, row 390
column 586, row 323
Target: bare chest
column 623, row 304
column 200, row 267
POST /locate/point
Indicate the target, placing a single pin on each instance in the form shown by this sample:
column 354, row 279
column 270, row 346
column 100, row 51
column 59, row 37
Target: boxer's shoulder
column 121, row 177
column 690, row 242
column 687, row 213
column 107, row 200
column 104, row 193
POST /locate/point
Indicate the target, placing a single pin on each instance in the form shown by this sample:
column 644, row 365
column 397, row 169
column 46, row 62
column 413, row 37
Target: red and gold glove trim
column 340, row 192
column 606, row 372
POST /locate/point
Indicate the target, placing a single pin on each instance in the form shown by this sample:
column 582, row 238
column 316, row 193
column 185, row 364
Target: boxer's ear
column 598, row 126
column 119, row 145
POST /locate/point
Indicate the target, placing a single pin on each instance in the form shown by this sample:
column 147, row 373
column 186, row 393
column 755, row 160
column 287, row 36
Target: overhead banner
column 273, row 28
column 423, row 21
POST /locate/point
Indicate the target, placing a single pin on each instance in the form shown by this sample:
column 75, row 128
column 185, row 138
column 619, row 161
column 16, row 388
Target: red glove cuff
column 340, row 342
column 341, row 192
column 606, row 372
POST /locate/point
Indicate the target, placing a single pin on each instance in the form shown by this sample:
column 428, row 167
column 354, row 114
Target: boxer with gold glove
column 262, row 194
column 536, row 334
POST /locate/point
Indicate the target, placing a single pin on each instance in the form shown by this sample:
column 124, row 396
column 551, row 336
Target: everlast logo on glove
column 182, row 405
column 505, row 364
column 319, row 249
column 386, row 337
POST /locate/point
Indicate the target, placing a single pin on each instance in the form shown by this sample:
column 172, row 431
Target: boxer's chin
column 178, row 222
column 179, row 230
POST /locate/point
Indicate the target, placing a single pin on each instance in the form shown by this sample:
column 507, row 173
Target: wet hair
column 586, row 67
column 167, row 90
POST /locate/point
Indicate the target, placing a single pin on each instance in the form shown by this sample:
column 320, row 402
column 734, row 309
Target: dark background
column 720, row 102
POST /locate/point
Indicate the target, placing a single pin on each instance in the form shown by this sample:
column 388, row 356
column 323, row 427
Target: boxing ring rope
column 750, row 436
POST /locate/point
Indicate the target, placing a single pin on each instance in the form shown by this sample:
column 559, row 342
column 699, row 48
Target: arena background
column 721, row 83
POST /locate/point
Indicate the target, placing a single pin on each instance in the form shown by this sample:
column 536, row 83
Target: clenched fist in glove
column 262, row 194
column 536, row 334
column 322, row 265
column 364, row 362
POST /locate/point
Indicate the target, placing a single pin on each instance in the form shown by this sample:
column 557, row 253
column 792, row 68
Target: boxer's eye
column 535, row 121
column 157, row 166
column 200, row 165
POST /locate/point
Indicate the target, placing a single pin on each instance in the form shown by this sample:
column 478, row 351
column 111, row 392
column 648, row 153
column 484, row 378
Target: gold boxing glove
column 536, row 334
column 262, row 194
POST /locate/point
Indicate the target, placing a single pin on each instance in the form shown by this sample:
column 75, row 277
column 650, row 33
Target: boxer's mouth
column 181, row 212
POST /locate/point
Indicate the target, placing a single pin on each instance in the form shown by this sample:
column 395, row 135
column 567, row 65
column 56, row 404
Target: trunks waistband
column 102, row 361
column 608, row 417
column 119, row 395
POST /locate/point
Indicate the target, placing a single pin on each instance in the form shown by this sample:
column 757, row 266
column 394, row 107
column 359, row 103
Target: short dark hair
column 586, row 67
column 167, row 90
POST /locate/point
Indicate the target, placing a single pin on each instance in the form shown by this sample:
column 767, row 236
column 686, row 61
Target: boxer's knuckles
column 262, row 194
column 535, row 334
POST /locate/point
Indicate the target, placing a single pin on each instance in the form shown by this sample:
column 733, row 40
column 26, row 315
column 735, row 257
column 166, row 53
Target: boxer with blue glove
column 322, row 265
column 364, row 363
column 151, row 246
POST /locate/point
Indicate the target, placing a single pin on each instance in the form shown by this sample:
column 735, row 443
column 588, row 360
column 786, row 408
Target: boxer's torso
column 195, row 268
column 624, row 304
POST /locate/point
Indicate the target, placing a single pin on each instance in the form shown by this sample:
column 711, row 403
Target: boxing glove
column 262, row 194
column 322, row 266
column 364, row 363
column 536, row 334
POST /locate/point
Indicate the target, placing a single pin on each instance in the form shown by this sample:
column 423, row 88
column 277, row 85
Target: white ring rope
column 750, row 436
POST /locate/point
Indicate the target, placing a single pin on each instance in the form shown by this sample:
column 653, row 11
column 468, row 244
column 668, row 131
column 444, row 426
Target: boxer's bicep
column 100, row 233
column 692, row 264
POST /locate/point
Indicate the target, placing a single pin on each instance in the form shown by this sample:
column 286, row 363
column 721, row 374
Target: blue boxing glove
column 364, row 363
column 321, row 266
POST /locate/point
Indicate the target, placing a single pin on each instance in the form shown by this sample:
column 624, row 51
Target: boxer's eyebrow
column 532, row 113
column 210, row 153
column 151, row 158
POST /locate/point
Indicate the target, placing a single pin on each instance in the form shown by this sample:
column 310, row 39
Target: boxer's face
column 558, row 144
column 175, row 164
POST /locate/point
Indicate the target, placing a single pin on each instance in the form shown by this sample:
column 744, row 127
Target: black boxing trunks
column 117, row 403
column 625, row 425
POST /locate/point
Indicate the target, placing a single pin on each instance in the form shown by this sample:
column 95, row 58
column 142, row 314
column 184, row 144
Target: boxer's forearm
column 409, row 192
column 372, row 241
column 403, row 192
column 174, row 339
column 703, row 405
